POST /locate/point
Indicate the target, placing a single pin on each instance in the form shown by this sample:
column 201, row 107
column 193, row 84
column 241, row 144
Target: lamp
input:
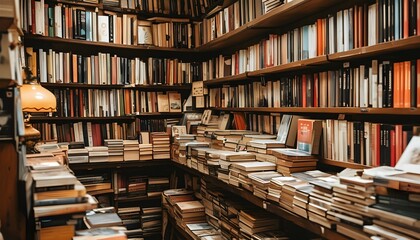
column 34, row 99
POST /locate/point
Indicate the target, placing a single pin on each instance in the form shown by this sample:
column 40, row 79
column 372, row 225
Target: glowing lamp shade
column 35, row 98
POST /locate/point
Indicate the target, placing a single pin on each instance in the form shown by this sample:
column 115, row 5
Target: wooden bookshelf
column 160, row 87
column 270, row 207
column 90, row 47
column 136, row 198
column 343, row 164
column 280, row 16
column 329, row 110
column 81, row 119
column 118, row 165
column 230, row 79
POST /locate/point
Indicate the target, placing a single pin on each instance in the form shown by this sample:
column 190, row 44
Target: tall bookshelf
column 291, row 21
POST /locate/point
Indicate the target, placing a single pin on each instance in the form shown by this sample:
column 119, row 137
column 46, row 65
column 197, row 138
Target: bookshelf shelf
column 184, row 87
column 280, row 16
column 77, row 3
column 230, row 79
column 343, row 164
column 89, row 47
column 136, row 198
column 80, row 119
column 270, row 207
column 117, row 165
column 329, row 110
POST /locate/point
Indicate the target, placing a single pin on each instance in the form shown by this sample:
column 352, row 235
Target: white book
column 380, row 86
column 39, row 17
column 103, row 29
column 346, row 30
column 94, row 27
column 372, row 24
column 357, row 90
column 58, row 30
column 340, row 43
column 374, row 83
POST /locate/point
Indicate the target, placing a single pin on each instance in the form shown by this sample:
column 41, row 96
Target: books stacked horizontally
column 261, row 181
column 289, row 192
column 114, row 233
column 396, row 211
column 130, row 217
column 189, row 146
column 256, row 221
column 78, row 153
column 137, row 185
column 98, row 154
column 320, row 200
column 161, row 145
column 350, row 203
column 156, row 185
column 95, row 183
column 229, row 157
column 190, row 212
column 103, row 217
column 203, row 231
column 239, row 171
column 276, row 185
column 151, row 220
column 198, row 154
column 171, row 196
column 145, row 147
column 60, row 200
column 115, row 149
column 179, row 147
column 212, row 160
column 131, row 150
column 290, row 160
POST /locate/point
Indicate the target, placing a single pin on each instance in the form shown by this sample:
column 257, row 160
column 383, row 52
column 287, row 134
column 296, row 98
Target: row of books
column 366, row 143
column 379, row 84
column 93, row 134
column 104, row 68
column 114, row 102
column 138, row 185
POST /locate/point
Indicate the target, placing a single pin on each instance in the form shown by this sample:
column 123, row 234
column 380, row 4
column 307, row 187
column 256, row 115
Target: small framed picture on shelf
column 144, row 33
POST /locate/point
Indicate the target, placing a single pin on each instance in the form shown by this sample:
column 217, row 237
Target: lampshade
column 35, row 98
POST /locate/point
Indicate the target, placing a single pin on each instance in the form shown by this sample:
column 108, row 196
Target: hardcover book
column 309, row 135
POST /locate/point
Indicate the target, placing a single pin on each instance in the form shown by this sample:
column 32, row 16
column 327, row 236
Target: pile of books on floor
column 59, row 199
column 156, row 185
column 161, row 145
column 98, row 154
column 115, row 149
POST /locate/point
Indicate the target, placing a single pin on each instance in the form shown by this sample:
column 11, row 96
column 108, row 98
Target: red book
column 406, row 83
column 418, row 20
column 392, row 146
column 398, row 142
column 304, row 88
column 418, row 67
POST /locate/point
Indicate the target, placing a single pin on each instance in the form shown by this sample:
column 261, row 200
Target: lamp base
column 32, row 136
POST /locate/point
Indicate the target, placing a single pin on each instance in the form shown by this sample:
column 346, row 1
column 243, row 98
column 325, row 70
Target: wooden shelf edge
column 327, row 110
column 121, row 118
column 343, row 164
column 228, row 79
column 117, row 86
column 118, row 165
column 136, row 198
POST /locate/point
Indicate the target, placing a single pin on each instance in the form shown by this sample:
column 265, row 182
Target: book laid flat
column 53, row 178
column 53, row 210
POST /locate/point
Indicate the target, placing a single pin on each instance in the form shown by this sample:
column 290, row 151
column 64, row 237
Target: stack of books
column 115, row 149
column 263, row 145
column 289, row 191
column 276, row 185
column 161, row 145
column 179, row 147
column 189, row 151
column 238, row 172
column 397, row 207
column 95, row 183
column 211, row 201
column 156, row 185
column 103, row 217
column 60, row 201
column 198, row 159
column 203, row 231
column 190, row 212
column 145, row 151
column 151, row 220
column 354, row 194
column 171, row 196
column 131, row 150
column 320, row 200
column 229, row 157
column 290, row 160
column 98, row 154
column 130, row 217
column 256, row 221
column 212, row 160
column 261, row 181
column 78, row 153
column 137, row 185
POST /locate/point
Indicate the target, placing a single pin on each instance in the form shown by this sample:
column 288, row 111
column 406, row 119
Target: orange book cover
column 114, row 70
column 392, row 148
column 418, row 19
column 74, row 65
column 308, row 135
column 318, row 36
column 127, row 102
column 406, row 17
column 418, row 70
column 407, row 78
column 396, row 85
column 355, row 27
